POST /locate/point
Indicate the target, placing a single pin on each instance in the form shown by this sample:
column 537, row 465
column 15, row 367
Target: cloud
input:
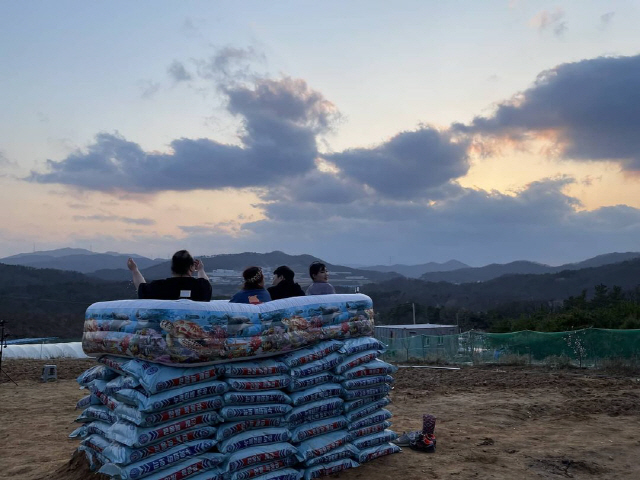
column 409, row 164
column 590, row 109
column 546, row 20
column 178, row 72
column 148, row 88
column 606, row 19
column 115, row 218
column 230, row 65
column 280, row 120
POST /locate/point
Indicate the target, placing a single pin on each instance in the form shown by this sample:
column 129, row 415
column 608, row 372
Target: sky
column 361, row 132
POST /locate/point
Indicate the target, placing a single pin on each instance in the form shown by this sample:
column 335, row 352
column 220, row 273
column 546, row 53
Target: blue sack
column 160, row 461
column 369, row 408
column 370, row 430
column 374, row 440
column 329, row 407
column 373, row 368
column 325, row 469
column 149, row 419
column 365, row 382
column 97, row 427
column 284, row 474
column 205, row 466
column 311, row 354
column 322, row 365
column 171, row 398
column 263, row 468
column 302, row 383
column 361, row 344
column 229, row 429
column 362, row 402
column 274, row 382
column 256, row 455
column 346, row 451
column 356, row 359
column 319, row 427
column 266, row 396
column 366, row 392
column 238, row 412
column 377, row 451
column 121, row 382
column 114, row 363
column 253, row 438
column 318, row 446
column 377, row 417
column 96, row 412
column 313, row 394
column 156, row 378
column 256, row 368
column 87, row 401
column 99, row 372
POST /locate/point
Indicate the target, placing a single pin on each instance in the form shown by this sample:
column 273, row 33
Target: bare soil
column 493, row 423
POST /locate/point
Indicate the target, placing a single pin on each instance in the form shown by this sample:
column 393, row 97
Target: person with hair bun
column 253, row 290
column 180, row 285
column 283, row 285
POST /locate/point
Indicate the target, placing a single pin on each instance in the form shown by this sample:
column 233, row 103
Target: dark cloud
column 606, row 19
column 178, row 72
column 115, row 218
column 409, row 164
column 280, row 122
column 229, row 65
column 591, row 108
column 148, row 88
column 550, row 20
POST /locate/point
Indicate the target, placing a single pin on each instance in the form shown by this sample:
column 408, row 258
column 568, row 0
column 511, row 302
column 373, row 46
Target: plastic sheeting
column 45, row 351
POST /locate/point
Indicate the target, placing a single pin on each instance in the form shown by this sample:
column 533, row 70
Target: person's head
column 282, row 273
column 318, row 272
column 182, row 263
column 253, row 278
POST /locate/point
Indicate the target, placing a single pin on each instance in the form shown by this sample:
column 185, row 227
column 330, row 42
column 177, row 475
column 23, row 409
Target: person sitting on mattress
column 253, row 290
column 320, row 276
column 180, row 285
column 283, row 285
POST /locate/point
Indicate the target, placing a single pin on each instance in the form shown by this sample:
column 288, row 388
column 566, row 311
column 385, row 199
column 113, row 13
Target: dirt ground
column 493, row 423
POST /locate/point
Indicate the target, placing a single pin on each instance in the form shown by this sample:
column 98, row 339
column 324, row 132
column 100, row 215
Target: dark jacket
column 199, row 289
column 285, row 289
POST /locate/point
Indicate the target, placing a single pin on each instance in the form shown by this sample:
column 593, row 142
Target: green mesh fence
column 591, row 347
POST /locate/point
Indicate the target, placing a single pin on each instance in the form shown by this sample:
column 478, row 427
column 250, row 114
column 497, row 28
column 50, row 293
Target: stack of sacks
column 254, row 436
column 365, row 382
column 305, row 414
column 149, row 421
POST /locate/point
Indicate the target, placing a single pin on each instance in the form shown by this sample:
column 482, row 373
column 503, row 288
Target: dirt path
column 500, row 423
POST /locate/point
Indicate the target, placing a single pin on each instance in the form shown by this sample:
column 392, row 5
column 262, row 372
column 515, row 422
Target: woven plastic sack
column 256, row 455
column 329, row 407
column 382, row 389
column 356, row 359
column 149, row 419
column 307, row 355
column 123, row 455
column 318, row 446
column 253, row 438
column 171, row 398
column 87, row 401
column 96, row 442
column 156, row 378
column 240, row 412
column 318, row 366
column 346, row 451
column 263, row 468
column 319, row 427
column 98, row 372
column 160, row 461
column 260, row 368
column 133, row 436
column 96, row 412
column 362, row 402
column 302, row 383
column 365, row 382
column 266, row 396
column 97, row 427
column 114, row 363
column 373, row 368
column 284, row 474
column 96, row 459
column 259, row 383
column 97, row 388
column 121, row 382
column 370, row 430
column 377, row 417
column 374, row 440
column 325, row 469
column 368, row 409
column 229, row 429
column 372, row 453
column 313, row 394
column 202, row 467
column 356, row 345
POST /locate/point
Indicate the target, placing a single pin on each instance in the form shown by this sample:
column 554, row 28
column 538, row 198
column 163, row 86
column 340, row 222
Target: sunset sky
column 362, row 132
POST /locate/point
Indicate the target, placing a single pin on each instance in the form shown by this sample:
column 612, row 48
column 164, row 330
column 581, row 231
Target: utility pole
column 413, row 307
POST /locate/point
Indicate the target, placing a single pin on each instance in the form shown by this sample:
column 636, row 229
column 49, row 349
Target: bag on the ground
column 361, row 344
column 170, row 398
column 375, row 439
column 261, row 368
column 346, row 451
column 318, row 446
column 366, row 382
column 382, row 389
column 371, row 419
column 307, row 355
column 229, row 429
column 253, row 438
column 318, row 366
column 370, row 430
column 256, row 455
column 356, row 359
column 263, row 468
column 373, row 368
column 273, row 382
column 302, row 383
column 372, row 453
column 363, row 402
column 316, row 393
column 329, row 407
column 319, row 427
column 98, row 372
column 241, row 412
column 149, row 419
column 97, row 427
column 96, row 412
column 354, row 414
column 324, row 469
column 265, row 396
column 156, row 378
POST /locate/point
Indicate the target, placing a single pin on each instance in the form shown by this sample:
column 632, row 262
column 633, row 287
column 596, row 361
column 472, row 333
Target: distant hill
column 495, row 270
column 77, row 259
column 415, row 271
